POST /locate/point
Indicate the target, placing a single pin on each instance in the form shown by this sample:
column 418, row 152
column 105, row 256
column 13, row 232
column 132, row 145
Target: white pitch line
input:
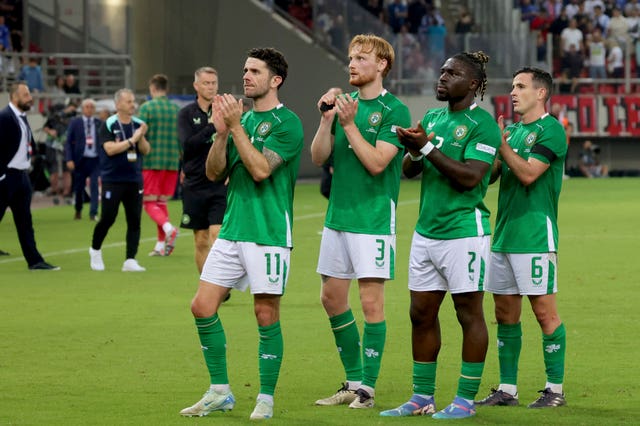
column 144, row 240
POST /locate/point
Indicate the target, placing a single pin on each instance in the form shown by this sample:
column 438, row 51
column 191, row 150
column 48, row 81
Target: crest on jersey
column 531, row 139
column 264, row 128
column 460, row 132
column 375, row 118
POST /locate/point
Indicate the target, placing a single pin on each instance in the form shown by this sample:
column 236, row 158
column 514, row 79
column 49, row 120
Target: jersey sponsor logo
column 531, row 139
column 371, row 353
column 460, row 132
column 186, row 219
column 375, row 118
column 196, row 120
column 486, row 148
column 371, row 130
column 268, row 356
column 551, row 348
column 264, row 128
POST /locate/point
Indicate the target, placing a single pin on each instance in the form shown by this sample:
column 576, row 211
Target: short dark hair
column 160, row 82
column 539, row 77
column 273, row 58
column 13, row 87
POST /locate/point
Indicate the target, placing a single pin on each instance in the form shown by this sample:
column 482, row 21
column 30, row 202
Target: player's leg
column 554, row 349
column 427, row 288
column 373, row 339
column 218, row 276
column 508, row 307
column 267, row 272
column 467, row 260
column 336, row 271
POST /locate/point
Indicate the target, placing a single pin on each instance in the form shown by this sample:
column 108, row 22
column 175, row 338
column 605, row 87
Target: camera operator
column 56, row 127
column 589, row 163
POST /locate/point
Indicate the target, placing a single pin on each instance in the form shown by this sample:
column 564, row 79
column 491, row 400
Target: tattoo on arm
column 273, row 158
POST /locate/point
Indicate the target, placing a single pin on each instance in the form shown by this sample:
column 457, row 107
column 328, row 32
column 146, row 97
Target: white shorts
column 237, row 264
column 348, row 256
column 458, row 265
column 523, row 273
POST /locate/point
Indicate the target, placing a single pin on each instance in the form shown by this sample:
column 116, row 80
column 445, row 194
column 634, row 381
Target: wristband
column 416, row 158
column 426, row 150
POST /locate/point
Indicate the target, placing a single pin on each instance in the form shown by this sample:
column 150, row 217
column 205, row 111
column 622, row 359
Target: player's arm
column 374, row 158
column 527, row 171
column 496, row 170
column 216, row 164
column 322, row 144
column 139, row 139
column 462, row 175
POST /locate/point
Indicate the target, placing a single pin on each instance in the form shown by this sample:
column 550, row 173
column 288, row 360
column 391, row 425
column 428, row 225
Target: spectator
column 597, row 55
column 397, row 13
column 464, row 26
column 71, row 84
column 633, row 23
column 630, row 6
column 302, row 11
column 571, row 36
column 615, row 64
column 58, row 86
column 55, row 128
column 541, row 22
column 415, row 11
column 618, row 28
column 590, row 5
column 528, row 10
column 5, row 35
column 589, row 163
column 553, row 8
column 32, row 75
column 81, row 155
column 572, row 8
column 600, row 20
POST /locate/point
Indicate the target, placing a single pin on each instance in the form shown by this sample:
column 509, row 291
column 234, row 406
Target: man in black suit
column 81, row 155
column 16, row 148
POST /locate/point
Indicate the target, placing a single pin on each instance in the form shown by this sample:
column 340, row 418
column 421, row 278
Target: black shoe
column 4, row 253
column 548, row 399
column 498, row 397
column 77, row 216
column 44, row 266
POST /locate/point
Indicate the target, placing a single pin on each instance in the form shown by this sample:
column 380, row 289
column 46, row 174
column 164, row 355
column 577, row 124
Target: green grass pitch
column 79, row 347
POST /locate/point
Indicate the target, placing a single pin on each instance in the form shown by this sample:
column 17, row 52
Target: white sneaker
column 131, row 265
column 263, row 410
column 211, row 401
column 363, row 400
column 342, row 396
column 96, row 259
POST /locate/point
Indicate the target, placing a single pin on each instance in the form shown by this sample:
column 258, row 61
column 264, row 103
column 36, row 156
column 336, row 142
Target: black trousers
column 130, row 195
column 15, row 192
column 86, row 168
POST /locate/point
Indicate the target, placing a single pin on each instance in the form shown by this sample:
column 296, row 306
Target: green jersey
column 161, row 115
column 360, row 202
column 262, row 212
column 447, row 213
column 527, row 220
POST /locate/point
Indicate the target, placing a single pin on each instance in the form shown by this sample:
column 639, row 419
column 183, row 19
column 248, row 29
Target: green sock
column 554, row 347
column 424, row 377
column 214, row 348
column 345, row 332
column 469, row 382
column 373, row 340
column 270, row 353
column 509, row 346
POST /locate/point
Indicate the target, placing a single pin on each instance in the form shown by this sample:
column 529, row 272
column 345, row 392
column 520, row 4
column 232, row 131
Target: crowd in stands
column 589, row 36
column 416, row 28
